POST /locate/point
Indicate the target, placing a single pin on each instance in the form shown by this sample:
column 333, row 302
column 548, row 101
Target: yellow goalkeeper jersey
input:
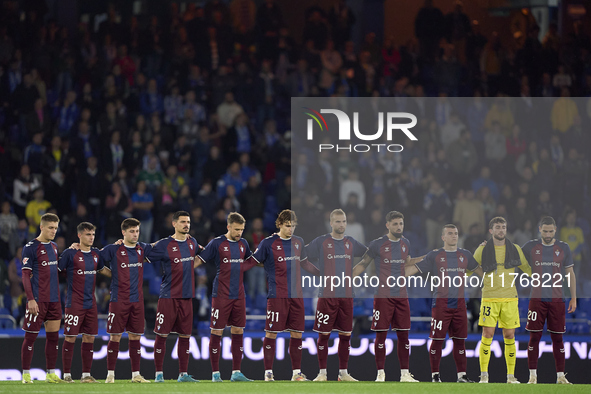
column 501, row 286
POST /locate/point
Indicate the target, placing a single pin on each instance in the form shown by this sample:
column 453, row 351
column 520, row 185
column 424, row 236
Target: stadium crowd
column 191, row 111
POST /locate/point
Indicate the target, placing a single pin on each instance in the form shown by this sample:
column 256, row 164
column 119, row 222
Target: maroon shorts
column 390, row 312
column 334, row 314
column 80, row 321
column 47, row 311
column 174, row 315
column 541, row 311
column 285, row 314
column 126, row 316
column 449, row 320
column 225, row 312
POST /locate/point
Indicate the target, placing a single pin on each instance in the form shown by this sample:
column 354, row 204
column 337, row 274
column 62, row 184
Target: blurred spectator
column 341, row 19
column 8, row 235
column 15, row 276
column 469, row 211
column 457, row 29
column 117, row 208
column 437, row 207
column 462, row 155
column 495, row 145
column 228, row 110
column 525, row 233
column 564, row 112
column 252, row 199
column 143, row 202
column 485, row 181
column 429, row 29
column 255, row 279
column 451, row 130
column 36, row 208
column 515, row 145
column 151, row 100
column 352, row 185
column 232, row 177
column 573, row 235
column 91, row 189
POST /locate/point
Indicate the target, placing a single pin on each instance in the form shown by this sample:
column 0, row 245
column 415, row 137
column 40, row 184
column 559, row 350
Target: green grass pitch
column 261, row 387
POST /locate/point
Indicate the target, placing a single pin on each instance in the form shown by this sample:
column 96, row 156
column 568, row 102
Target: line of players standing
column 283, row 255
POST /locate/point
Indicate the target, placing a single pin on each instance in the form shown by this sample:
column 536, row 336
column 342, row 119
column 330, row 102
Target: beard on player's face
column 547, row 240
column 499, row 237
column 339, row 230
column 396, row 233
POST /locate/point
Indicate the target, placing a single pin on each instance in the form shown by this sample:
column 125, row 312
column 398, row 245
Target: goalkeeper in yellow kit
column 500, row 259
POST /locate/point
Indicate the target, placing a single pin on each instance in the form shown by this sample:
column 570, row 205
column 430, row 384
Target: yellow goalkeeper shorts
column 505, row 313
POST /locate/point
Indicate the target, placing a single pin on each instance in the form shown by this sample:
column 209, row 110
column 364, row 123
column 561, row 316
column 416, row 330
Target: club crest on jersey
column 462, row 259
column 270, row 325
column 68, row 329
column 191, row 246
column 557, row 253
column 139, row 252
column 403, row 248
column 347, row 245
column 297, row 246
column 95, row 259
column 241, row 248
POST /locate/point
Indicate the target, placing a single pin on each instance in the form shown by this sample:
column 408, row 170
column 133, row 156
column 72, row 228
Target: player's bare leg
column 269, row 354
column 484, row 358
column 51, row 349
column 344, row 348
column 237, row 351
column 295, row 353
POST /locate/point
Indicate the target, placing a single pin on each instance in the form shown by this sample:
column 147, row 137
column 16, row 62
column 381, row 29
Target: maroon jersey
column 230, row 258
column 549, row 262
column 81, row 268
column 389, row 258
column 41, row 259
column 282, row 259
column 176, row 259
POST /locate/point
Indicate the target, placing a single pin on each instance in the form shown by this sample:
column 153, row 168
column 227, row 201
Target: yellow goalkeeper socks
column 510, row 355
column 485, row 354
